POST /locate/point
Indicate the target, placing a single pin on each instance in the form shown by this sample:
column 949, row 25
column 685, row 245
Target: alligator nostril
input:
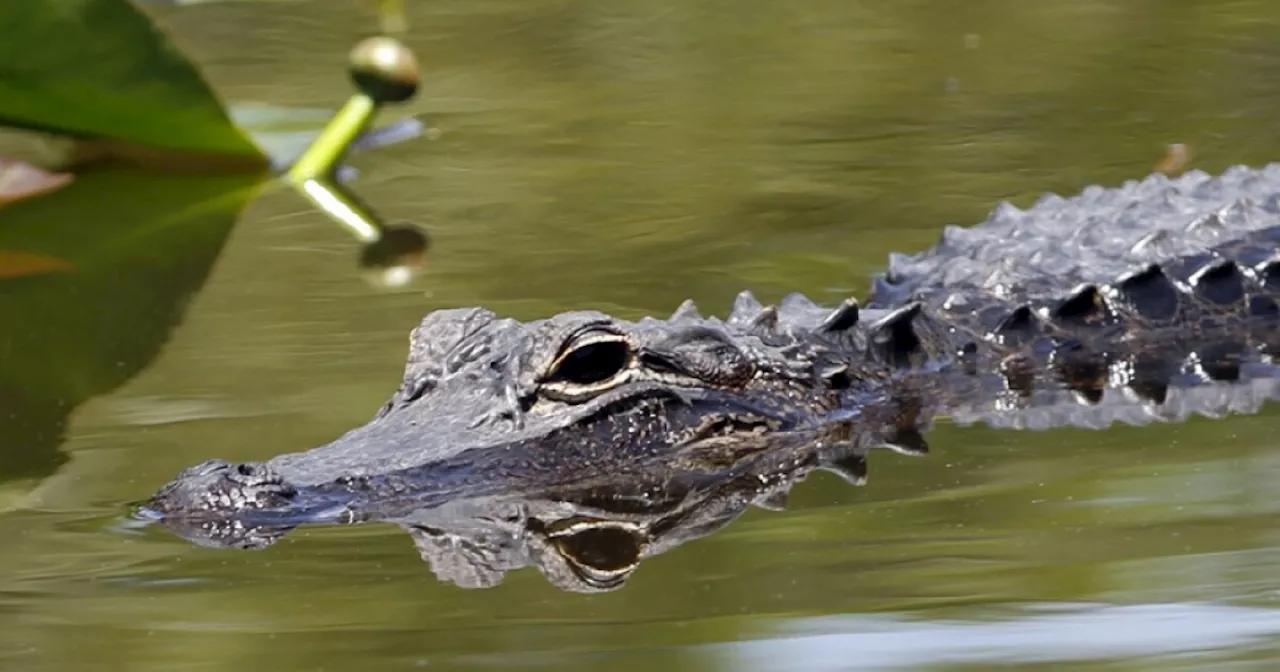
column 245, row 469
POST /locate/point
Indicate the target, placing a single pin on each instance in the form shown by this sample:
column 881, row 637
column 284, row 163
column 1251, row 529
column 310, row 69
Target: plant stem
column 323, row 156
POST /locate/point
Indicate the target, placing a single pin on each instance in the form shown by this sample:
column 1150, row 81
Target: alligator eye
column 591, row 363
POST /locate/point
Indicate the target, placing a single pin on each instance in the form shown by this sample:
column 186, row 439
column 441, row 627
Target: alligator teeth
column 893, row 336
column 1149, row 292
column 852, row 468
column 1220, row 282
column 745, row 308
column 843, row 318
column 1084, row 306
column 687, row 312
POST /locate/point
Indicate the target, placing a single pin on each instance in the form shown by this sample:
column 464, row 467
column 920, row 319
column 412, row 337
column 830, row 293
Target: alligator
column 1149, row 302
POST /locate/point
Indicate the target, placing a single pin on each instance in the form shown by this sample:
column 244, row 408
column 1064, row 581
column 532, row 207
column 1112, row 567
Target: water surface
column 625, row 156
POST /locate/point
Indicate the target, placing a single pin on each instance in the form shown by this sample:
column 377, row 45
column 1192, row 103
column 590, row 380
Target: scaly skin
column 1149, row 302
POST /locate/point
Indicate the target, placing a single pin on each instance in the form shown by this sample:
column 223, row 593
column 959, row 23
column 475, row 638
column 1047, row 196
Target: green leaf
column 101, row 69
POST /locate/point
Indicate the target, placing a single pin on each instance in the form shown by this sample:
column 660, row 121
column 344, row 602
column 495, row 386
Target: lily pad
column 100, row 69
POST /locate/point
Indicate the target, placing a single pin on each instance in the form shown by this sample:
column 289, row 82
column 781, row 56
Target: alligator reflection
column 587, row 538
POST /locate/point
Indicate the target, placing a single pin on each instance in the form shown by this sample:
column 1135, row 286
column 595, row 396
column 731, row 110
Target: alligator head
column 491, row 405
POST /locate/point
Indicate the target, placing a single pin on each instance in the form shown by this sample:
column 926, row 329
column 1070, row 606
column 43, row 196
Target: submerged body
column 1131, row 304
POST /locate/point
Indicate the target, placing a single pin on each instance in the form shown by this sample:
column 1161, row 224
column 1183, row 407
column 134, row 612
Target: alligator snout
column 218, row 487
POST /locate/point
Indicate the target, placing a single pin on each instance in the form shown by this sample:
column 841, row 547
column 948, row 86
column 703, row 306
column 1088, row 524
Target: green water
column 625, row 156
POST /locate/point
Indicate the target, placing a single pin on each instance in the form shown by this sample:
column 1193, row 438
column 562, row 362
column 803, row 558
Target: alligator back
column 1153, row 301
column 1094, row 237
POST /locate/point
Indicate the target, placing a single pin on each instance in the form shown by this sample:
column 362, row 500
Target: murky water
column 625, row 156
